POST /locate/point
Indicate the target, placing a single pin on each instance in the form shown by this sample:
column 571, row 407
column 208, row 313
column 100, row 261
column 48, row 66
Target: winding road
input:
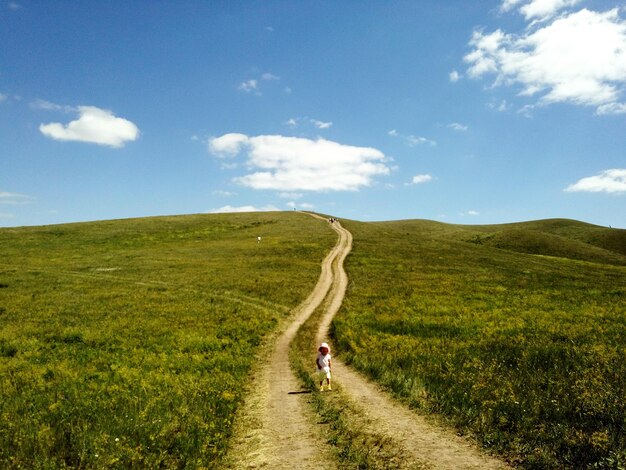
column 276, row 426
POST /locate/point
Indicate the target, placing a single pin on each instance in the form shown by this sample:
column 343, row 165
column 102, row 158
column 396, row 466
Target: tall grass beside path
column 524, row 351
column 127, row 343
column 342, row 424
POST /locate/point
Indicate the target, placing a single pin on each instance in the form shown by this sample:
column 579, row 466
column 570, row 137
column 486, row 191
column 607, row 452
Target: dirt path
column 427, row 445
column 276, row 428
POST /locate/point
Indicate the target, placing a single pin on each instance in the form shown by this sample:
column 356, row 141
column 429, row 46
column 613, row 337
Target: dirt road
column 277, row 430
column 426, row 445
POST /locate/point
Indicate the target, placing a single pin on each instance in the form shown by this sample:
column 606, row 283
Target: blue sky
column 464, row 112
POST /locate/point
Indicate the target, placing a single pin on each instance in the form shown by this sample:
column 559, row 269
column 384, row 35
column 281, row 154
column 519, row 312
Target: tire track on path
column 425, row 444
column 276, row 426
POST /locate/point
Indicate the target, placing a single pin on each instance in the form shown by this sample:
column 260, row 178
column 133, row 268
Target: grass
column 127, row 343
column 555, row 237
column 342, row 424
column 516, row 334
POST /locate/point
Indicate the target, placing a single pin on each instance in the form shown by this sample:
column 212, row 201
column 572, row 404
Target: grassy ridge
column 126, row 343
column 555, row 237
column 526, row 352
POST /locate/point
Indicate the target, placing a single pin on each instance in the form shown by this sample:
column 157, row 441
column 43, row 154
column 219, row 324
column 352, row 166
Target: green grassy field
column 515, row 333
column 127, row 343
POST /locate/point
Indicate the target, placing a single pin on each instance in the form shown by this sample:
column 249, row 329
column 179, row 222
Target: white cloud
column 295, row 122
column 249, row 86
column 454, row 76
column 503, row 106
column 253, row 86
column 420, row 179
column 14, row 6
column 538, row 9
column 321, row 124
column 227, row 209
column 471, row 213
column 544, row 9
column 579, row 58
column 96, row 126
column 48, row 106
column 3, row 97
column 6, row 215
column 527, row 110
column 507, row 5
column 227, row 145
column 411, row 140
column 611, row 108
column 458, row 127
column 609, row 181
column 269, row 76
column 15, row 199
column 299, row 164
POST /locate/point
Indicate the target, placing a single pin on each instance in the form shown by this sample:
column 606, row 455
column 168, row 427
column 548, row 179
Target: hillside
column 552, row 237
column 556, row 237
column 134, row 338
column 515, row 333
column 128, row 343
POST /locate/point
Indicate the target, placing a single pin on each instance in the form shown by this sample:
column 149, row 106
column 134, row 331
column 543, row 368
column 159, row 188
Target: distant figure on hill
column 323, row 365
column 258, row 239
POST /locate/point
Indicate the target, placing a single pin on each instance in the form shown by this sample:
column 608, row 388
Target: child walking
column 323, row 365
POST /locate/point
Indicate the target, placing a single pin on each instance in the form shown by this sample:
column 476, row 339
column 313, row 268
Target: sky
column 478, row 112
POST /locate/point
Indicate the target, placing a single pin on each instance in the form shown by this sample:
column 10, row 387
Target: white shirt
column 323, row 361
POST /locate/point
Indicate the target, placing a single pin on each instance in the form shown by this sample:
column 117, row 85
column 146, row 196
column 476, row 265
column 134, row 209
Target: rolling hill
column 515, row 333
column 556, row 237
column 129, row 342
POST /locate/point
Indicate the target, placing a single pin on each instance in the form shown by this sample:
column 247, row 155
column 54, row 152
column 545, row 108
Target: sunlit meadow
column 515, row 333
column 127, row 343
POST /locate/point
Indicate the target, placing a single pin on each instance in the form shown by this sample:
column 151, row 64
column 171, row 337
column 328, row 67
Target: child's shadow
column 301, row 392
